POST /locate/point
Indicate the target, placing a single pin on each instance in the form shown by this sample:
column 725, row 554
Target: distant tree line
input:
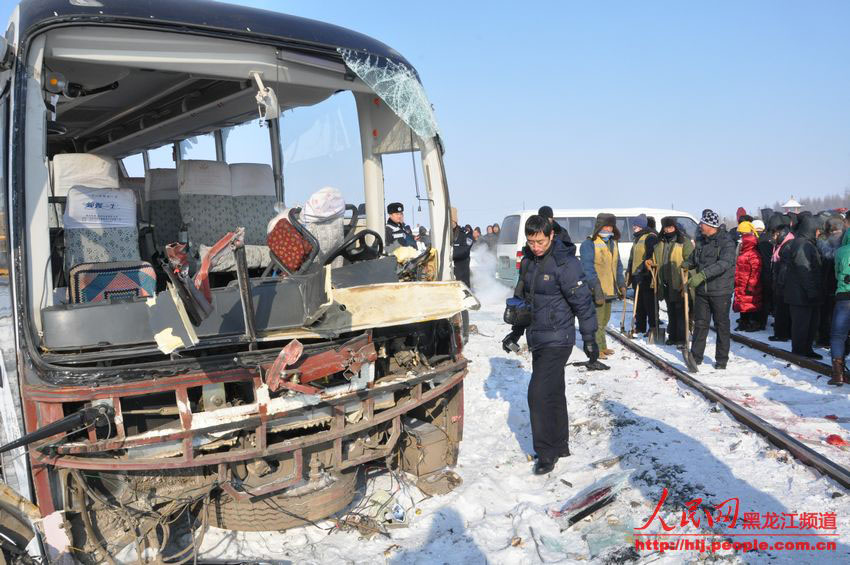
column 816, row 204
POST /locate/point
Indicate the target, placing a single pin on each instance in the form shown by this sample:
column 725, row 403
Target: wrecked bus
column 177, row 339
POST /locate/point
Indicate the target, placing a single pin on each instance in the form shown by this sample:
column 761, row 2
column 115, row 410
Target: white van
column 579, row 222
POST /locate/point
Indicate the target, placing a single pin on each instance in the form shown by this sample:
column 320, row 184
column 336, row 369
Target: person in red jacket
column 748, row 297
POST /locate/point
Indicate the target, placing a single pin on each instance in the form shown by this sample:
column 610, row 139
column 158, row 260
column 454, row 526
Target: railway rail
column 774, row 435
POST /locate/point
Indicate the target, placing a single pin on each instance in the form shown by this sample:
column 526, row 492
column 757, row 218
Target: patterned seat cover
column 163, row 204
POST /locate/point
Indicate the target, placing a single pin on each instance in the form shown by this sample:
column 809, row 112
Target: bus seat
column 208, row 208
column 79, row 169
column 163, row 205
column 137, row 184
column 254, row 199
column 102, row 246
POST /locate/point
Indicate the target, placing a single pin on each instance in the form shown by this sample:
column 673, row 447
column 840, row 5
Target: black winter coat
column 803, row 281
column 560, row 296
column 561, row 232
column 765, row 249
column 715, row 257
column 461, row 246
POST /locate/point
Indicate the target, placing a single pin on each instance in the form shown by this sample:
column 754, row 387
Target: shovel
column 657, row 333
column 623, row 318
column 690, row 362
column 631, row 333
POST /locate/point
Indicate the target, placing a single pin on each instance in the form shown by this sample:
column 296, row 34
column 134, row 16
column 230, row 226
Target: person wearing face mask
column 670, row 252
column 600, row 259
column 828, row 244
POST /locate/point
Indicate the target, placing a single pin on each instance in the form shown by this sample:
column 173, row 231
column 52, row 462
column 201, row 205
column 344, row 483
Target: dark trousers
column 547, row 403
column 645, row 310
column 676, row 321
column 804, row 328
column 781, row 317
column 707, row 308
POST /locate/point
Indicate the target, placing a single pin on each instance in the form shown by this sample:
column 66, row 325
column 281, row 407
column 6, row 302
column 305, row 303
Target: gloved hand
column 696, row 280
column 598, row 295
column 509, row 344
column 590, row 348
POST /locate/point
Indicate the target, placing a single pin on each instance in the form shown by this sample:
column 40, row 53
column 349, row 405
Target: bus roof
column 203, row 16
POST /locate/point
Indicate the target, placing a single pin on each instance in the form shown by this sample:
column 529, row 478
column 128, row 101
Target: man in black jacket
column 461, row 246
column 643, row 246
column 712, row 266
column 779, row 227
column 803, row 291
column 560, row 231
column 552, row 282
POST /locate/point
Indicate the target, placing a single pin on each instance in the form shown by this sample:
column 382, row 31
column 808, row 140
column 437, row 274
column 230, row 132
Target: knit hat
column 758, row 225
column 710, row 218
column 640, row 222
column 395, row 207
column 746, row 227
column 546, row 212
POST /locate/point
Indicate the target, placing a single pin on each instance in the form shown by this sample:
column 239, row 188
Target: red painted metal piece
column 70, row 459
column 347, row 358
column 287, row 357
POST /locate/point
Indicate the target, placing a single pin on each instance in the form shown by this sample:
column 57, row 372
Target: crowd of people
column 791, row 267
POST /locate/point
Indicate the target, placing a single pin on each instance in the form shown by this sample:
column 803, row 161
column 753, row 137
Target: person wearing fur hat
column 712, row 276
column 673, row 247
column 396, row 230
column 603, row 270
column 643, row 244
column 748, row 287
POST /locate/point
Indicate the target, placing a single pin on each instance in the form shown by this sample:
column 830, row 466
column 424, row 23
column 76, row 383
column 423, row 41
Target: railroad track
column 774, row 435
column 804, row 362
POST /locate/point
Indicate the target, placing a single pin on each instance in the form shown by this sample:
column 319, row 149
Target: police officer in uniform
column 397, row 231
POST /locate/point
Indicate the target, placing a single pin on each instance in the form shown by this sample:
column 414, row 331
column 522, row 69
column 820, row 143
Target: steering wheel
column 354, row 247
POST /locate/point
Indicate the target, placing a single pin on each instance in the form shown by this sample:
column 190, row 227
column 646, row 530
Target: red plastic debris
column 835, row 439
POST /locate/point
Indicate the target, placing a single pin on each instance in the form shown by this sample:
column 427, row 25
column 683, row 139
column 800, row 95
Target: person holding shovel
column 640, row 274
column 672, row 249
column 603, row 270
column 712, row 276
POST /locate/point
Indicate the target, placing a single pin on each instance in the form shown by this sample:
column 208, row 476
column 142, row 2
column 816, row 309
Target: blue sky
column 602, row 104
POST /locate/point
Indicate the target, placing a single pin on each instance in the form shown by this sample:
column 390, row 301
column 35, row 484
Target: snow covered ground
column 632, row 417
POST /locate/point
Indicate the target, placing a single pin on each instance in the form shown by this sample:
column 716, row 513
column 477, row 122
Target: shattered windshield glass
column 398, row 86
